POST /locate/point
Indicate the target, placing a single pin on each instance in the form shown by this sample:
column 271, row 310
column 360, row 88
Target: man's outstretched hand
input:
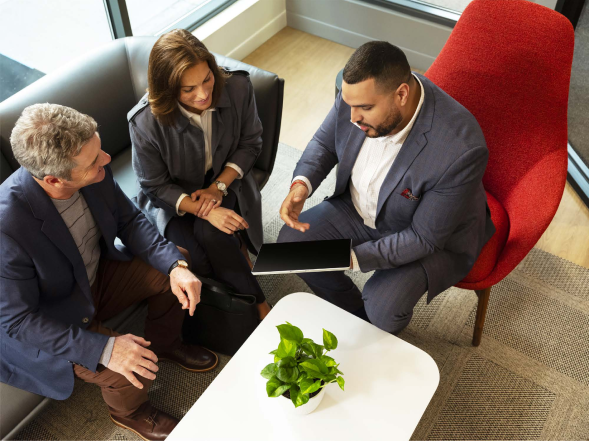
column 292, row 207
column 130, row 355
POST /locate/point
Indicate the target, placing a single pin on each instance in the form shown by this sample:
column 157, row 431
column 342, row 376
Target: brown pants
column 119, row 285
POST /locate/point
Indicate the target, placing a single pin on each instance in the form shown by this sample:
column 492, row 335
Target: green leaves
column 341, row 382
column 286, row 348
column 312, row 349
column 314, row 367
column 290, row 333
column 275, row 387
column 297, row 397
column 329, row 340
column 300, row 365
column 308, row 385
column 287, row 370
column 269, row 371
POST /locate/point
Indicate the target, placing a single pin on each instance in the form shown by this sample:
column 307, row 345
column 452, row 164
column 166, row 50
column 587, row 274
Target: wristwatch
column 222, row 187
column 181, row 263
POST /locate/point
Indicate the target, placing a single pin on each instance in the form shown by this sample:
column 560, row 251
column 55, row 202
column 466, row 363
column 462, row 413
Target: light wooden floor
column 309, row 65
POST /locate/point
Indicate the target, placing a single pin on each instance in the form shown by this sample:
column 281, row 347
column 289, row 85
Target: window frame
column 120, row 23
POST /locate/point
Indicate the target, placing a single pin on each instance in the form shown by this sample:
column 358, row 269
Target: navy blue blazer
column 441, row 163
column 45, row 299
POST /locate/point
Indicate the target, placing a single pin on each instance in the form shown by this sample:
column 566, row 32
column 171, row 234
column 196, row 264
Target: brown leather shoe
column 148, row 422
column 193, row 358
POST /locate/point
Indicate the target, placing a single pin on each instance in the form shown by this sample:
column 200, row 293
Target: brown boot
column 148, row 422
column 193, row 358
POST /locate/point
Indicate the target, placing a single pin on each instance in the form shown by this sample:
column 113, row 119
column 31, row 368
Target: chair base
column 483, row 295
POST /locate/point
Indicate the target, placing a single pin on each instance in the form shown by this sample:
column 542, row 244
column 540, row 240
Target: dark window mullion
column 118, row 18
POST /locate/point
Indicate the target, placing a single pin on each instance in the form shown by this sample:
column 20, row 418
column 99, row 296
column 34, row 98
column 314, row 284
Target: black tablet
column 302, row 257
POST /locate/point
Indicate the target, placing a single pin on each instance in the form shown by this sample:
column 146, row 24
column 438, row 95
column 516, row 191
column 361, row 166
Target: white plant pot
column 305, row 409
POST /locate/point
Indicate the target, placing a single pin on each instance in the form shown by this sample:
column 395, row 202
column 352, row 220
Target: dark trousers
column 215, row 254
column 119, row 285
column 389, row 296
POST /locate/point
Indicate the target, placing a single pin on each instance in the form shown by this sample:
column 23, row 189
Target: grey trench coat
column 169, row 160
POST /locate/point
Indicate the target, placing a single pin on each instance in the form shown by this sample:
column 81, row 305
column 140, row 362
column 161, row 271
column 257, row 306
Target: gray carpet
column 529, row 379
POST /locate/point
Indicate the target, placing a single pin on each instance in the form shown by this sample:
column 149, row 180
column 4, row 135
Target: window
column 577, row 114
column 38, row 36
column 445, row 12
column 154, row 17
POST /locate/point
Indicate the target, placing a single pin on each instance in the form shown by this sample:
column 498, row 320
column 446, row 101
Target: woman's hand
column 209, row 198
column 228, row 221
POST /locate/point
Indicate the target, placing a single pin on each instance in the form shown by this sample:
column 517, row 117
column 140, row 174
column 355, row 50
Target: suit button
column 85, row 320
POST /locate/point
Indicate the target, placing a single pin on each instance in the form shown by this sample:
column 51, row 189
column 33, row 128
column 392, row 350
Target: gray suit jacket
column 169, row 160
column 442, row 162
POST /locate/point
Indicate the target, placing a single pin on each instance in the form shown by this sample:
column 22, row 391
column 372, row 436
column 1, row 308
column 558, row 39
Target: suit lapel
column 100, row 212
column 412, row 146
column 351, row 151
column 54, row 227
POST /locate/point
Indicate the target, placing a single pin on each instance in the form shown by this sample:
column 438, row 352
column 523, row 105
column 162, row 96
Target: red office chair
column 509, row 63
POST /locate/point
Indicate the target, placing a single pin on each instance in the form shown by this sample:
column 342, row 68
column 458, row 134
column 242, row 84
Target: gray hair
column 46, row 137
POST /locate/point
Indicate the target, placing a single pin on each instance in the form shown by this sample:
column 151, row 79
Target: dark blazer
column 45, row 301
column 169, row 160
column 442, row 162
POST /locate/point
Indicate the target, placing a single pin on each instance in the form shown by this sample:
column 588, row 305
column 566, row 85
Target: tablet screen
column 295, row 257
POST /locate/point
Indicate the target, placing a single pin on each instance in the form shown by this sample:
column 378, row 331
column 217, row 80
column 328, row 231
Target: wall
column 243, row 27
column 352, row 23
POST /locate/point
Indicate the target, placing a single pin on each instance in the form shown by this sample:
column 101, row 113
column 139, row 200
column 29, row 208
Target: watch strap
column 175, row 264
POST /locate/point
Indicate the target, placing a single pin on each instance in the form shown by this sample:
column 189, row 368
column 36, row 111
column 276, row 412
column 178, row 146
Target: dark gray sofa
column 106, row 84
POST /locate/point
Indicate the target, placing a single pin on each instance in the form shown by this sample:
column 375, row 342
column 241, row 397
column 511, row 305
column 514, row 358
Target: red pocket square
column 408, row 195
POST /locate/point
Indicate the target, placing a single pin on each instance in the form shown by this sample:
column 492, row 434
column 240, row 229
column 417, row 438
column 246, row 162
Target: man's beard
column 392, row 121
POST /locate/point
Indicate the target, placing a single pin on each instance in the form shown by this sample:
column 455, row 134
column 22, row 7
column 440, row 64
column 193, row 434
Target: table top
column 389, row 384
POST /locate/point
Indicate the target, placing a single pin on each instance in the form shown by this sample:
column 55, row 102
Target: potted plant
column 301, row 368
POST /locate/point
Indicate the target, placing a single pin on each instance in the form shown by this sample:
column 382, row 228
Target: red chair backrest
column 508, row 62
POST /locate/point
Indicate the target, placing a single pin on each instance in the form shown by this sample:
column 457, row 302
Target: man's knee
column 390, row 296
column 389, row 321
column 287, row 234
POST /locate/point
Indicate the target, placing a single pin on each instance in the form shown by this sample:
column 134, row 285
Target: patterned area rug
column 529, row 379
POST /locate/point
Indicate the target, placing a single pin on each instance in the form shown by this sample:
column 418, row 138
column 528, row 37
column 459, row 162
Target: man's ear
column 402, row 93
column 53, row 181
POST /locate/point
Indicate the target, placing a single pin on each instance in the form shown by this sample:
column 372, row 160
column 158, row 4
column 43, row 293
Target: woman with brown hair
column 196, row 136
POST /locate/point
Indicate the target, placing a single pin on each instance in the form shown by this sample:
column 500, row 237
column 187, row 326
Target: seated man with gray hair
column 62, row 275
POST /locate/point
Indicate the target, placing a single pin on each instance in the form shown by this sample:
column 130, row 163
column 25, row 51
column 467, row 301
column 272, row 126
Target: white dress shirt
column 372, row 165
column 204, row 121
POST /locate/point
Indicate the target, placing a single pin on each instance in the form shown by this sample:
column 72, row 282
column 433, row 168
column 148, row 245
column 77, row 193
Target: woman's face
column 196, row 88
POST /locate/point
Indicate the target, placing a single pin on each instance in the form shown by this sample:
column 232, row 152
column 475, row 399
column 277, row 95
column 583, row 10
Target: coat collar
column 413, row 145
column 53, row 226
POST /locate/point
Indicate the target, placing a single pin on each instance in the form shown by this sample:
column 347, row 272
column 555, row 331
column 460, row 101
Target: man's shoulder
column 452, row 119
column 14, row 207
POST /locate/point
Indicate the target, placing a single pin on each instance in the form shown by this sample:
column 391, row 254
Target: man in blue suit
column 409, row 189
column 61, row 274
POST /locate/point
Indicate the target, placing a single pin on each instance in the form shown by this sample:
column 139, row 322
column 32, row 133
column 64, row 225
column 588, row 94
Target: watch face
column 221, row 186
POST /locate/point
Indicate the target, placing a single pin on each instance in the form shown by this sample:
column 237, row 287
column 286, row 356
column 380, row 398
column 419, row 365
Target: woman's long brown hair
column 172, row 54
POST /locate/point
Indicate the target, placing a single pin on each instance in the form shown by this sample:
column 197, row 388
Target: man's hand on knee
column 293, row 205
column 129, row 356
column 186, row 287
